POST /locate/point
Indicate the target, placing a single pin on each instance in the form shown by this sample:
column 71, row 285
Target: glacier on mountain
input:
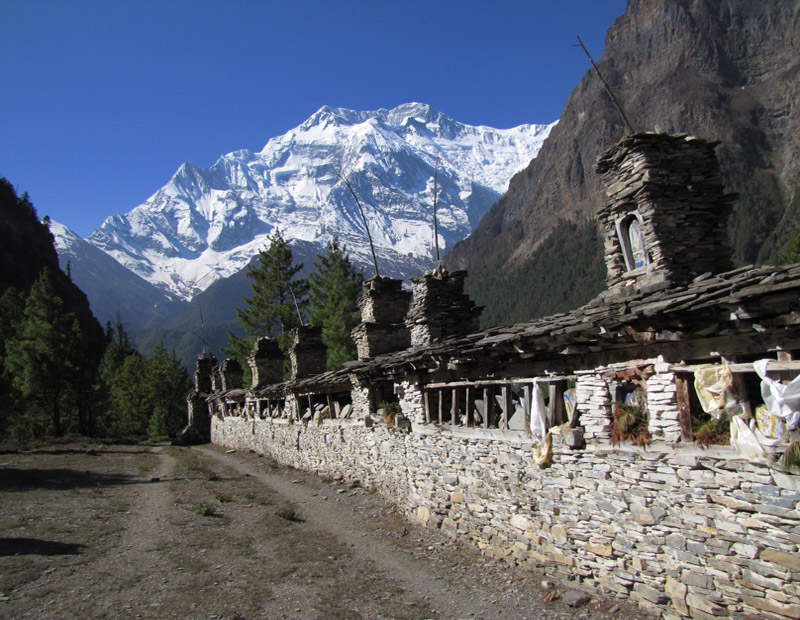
column 206, row 224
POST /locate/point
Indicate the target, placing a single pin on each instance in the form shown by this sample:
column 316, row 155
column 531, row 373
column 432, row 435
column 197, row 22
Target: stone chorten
column 666, row 218
column 231, row 375
column 383, row 305
column 266, row 362
column 197, row 407
column 440, row 309
column 203, row 373
column 308, row 355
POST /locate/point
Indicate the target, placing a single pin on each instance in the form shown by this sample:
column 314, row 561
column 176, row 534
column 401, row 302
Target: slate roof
column 746, row 301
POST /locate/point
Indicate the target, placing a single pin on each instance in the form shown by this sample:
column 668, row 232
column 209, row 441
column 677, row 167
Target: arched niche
column 630, row 232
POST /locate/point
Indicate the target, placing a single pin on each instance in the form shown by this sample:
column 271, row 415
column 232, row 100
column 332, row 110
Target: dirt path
column 164, row 532
column 371, row 549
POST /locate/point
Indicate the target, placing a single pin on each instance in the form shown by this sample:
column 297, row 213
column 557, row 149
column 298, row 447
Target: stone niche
column 440, row 309
column 666, row 218
column 231, row 375
column 383, row 305
column 266, row 362
column 308, row 355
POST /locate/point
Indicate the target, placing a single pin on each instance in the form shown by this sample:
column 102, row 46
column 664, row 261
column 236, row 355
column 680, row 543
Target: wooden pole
column 363, row 218
column 435, row 221
column 608, row 89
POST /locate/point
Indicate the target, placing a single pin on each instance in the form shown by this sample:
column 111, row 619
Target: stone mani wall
column 684, row 531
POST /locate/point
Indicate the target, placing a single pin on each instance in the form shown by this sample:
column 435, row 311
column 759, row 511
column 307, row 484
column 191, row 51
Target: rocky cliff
column 723, row 69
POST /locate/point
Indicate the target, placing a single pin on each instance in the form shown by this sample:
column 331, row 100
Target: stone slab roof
column 762, row 303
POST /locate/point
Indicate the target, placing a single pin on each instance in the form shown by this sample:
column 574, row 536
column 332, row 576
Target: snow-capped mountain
column 207, row 224
column 112, row 290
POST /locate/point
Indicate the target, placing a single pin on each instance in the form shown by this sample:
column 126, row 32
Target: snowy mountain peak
column 206, row 224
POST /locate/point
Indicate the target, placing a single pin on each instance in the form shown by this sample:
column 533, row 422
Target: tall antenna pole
column 203, row 328
column 296, row 306
column 435, row 222
column 608, row 88
column 363, row 218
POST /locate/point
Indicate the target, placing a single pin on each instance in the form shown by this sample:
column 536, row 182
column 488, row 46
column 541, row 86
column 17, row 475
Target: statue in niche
column 639, row 256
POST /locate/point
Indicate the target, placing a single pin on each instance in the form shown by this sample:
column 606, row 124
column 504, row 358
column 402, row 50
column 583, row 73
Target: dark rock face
column 728, row 70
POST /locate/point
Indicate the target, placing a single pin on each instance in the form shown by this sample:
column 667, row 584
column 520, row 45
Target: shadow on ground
column 14, row 479
column 37, row 546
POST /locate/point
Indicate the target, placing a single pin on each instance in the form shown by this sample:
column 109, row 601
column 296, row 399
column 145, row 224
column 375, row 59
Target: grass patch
column 205, row 510
column 712, row 431
column 289, row 514
column 630, row 424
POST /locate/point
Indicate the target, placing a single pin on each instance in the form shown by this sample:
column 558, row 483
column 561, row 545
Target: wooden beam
column 495, row 382
column 506, row 392
column 555, row 408
column 774, row 366
column 527, row 394
column 427, row 406
column 684, row 409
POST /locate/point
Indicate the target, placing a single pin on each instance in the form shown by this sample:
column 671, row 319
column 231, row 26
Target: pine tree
column 333, row 302
column 118, row 347
column 40, row 359
column 278, row 296
column 12, row 312
column 167, row 384
column 129, row 413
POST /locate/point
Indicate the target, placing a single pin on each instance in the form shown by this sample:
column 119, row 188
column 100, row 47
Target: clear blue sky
column 103, row 100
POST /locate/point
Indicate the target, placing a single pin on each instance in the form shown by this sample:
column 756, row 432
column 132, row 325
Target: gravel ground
column 91, row 531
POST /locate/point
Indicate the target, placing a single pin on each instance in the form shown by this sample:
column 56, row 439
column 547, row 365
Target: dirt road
column 91, row 531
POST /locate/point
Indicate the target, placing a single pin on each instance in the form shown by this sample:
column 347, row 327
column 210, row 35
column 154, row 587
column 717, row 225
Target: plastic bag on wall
column 782, row 400
column 714, row 386
column 770, row 426
column 744, row 440
column 542, row 450
column 538, row 413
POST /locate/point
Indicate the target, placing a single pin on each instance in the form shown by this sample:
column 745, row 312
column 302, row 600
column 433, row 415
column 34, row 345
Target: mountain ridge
column 205, row 224
column 726, row 70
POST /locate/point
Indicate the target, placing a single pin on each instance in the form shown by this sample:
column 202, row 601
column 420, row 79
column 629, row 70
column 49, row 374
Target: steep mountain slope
column 111, row 288
column 208, row 224
column 725, row 69
column 27, row 248
column 211, row 313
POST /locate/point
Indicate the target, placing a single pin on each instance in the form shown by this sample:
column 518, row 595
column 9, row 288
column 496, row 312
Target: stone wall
column 683, row 531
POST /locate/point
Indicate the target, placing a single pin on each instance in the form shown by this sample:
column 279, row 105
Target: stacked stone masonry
column 681, row 531
column 673, row 183
column 383, row 306
column 440, row 309
column 685, row 530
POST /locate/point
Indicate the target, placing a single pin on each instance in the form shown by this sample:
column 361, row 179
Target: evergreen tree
column 12, row 311
column 118, row 347
column 129, row 412
column 42, row 359
column 333, row 302
column 278, row 296
column 167, row 384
